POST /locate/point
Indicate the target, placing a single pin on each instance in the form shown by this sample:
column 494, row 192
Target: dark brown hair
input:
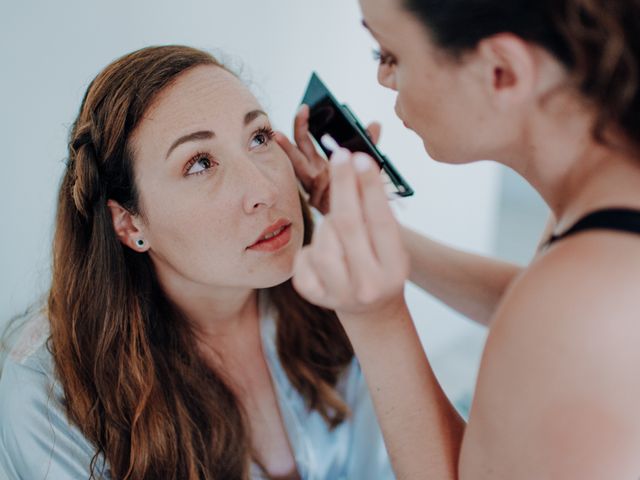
column 597, row 40
column 125, row 356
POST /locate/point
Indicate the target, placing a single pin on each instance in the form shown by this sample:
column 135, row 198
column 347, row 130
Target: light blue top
column 37, row 441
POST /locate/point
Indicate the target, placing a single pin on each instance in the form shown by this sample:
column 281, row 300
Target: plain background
column 50, row 51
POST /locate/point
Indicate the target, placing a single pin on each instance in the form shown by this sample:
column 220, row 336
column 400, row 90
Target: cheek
column 416, row 105
column 283, row 176
column 192, row 231
column 426, row 108
column 187, row 231
column 414, row 93
column 431, row 102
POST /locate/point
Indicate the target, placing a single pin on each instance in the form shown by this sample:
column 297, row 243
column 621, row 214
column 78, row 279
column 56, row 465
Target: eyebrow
column 371, row 32
column 208, row 134
column 252, row 115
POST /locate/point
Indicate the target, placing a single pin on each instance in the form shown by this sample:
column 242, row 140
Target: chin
column 276, row 273
column 432, row 152
column 444, row 156
column 274, row 280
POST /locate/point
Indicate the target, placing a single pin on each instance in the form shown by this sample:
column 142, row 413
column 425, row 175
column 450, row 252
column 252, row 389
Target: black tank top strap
column 621, row 219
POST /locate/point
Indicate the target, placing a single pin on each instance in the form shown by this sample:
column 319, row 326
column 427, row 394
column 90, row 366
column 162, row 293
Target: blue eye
column 199, row 163
column 262, row 136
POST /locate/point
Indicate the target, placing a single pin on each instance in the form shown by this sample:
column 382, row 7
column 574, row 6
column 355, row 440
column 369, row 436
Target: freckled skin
column 198, row 226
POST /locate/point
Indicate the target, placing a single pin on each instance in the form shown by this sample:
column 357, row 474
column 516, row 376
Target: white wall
column 49, row 51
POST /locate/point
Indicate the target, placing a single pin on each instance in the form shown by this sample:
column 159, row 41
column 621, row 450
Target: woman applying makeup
column 551, row 90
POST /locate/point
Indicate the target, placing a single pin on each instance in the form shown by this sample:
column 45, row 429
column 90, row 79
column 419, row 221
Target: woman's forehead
column 203, row 96
column 204, row 89
column 379, row 13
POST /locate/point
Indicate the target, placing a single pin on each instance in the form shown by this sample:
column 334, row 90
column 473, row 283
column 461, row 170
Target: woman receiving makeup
column 173, row 345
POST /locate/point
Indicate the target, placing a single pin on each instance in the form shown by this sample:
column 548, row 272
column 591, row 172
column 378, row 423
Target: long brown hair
column 598, row 41
column 133, row 381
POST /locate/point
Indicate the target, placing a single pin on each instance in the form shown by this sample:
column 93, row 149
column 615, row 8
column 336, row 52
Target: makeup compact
column 327, row 116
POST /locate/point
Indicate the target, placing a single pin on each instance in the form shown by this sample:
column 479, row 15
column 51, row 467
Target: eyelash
column 265, row 131
column 197, row 157
column 383, row 58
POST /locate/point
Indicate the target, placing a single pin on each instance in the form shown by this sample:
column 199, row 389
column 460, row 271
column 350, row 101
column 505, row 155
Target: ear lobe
column 125, row 227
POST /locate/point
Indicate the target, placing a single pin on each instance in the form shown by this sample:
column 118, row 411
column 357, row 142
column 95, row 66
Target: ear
column 509, row 69
column 127, row 227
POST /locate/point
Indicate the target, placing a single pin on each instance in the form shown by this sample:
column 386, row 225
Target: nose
column 387, row 77
column 260, row 191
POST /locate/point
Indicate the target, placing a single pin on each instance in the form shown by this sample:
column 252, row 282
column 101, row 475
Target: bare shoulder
column 559, row 383
column 582, row 281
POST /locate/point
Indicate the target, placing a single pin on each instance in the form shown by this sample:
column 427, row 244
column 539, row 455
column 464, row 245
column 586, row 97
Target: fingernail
column 329, row 143
column 362, row 163
column 340, row 156
column 300, row 108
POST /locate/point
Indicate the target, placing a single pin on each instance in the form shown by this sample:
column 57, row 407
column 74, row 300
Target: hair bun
column 604, row 39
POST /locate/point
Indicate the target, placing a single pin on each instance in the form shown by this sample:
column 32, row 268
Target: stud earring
column 140, row 243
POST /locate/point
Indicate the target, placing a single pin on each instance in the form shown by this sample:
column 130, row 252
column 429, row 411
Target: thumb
column 374, row 130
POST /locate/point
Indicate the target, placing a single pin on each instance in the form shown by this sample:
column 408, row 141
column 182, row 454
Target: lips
column 273, row 236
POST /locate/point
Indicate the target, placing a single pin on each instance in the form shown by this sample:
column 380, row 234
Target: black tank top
column 621, row 219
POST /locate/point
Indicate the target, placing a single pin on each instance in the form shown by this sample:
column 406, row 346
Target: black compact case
column 327, row 116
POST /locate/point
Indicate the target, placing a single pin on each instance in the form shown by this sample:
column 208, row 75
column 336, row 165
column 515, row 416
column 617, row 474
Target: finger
column 347, row 217
column 305, row 280
column 300, row 163
column 328, row 261
column 374, row 131
column 324, row 202
column 301, row 133
column 382, row 226
column 319, row 190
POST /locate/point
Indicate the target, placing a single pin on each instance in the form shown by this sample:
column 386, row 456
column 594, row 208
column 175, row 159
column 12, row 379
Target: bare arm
column 357, row 266
column 422, row 430
column 470, row 284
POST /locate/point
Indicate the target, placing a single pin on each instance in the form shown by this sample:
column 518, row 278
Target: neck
column 573, row 172
column 216, row 314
